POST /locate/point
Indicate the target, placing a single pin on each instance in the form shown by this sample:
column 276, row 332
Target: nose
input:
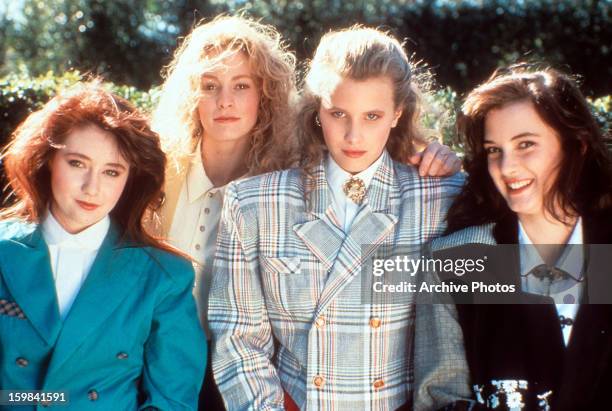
column 225, row 98
column 508, row 166
column 91, row 184
column 353, row 132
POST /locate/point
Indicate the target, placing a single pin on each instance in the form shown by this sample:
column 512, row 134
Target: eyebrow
column 374, row 110
column 233, row 78
column 84, row 157
column 524, row 134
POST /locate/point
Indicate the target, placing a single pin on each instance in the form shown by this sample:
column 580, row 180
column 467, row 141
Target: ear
column 398, row 114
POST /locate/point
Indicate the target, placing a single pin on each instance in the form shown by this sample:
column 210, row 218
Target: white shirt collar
column 337, row 176
column 89, row 239
column 198, row 182
column 571, row 260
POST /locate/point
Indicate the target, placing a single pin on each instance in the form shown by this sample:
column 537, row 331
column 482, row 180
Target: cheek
column 204, row 111
column 494, row 172
column 331, row 135
column 62, row 180
column 549, row 175
column 383, row 133
column 252, row 106
column 115, row 189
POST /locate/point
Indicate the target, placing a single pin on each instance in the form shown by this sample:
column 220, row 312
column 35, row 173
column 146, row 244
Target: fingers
column 451, row 164
column 415, row 159
column 427, row 158
column 439, row 160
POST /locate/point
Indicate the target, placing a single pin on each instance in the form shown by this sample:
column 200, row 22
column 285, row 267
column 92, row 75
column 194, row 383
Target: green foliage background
column 128, row 41
column 462, row 41
column 22, row 94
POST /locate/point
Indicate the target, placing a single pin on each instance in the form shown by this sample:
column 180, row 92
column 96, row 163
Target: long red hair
column 32, row 145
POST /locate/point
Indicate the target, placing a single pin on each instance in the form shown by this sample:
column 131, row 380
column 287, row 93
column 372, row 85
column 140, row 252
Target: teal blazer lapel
column 29, row 279
column 113, row 277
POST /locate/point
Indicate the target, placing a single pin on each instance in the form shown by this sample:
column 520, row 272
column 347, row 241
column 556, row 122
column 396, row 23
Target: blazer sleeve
column 440, row 367
column 175, row 352
column 238, row 318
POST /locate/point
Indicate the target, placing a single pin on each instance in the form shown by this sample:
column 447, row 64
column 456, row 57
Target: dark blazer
column 519, row 348
column 132, row 339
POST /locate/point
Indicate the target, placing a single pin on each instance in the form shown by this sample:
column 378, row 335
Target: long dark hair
column 584, row 183
column 34, row 142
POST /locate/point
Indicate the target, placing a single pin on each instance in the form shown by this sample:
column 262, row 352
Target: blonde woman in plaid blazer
column 234, row 67
column 290, row 329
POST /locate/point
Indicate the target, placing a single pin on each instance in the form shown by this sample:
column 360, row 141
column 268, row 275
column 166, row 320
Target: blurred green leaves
column 463, row 41
column 21, row 94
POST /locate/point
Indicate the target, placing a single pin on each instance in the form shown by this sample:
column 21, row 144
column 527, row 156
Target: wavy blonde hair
column 361, row 53
column 204, row 50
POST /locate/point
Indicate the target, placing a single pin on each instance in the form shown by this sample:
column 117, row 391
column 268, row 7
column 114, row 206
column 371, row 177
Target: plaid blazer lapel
column 30, row 282
column 372, row 225
column 322, row 234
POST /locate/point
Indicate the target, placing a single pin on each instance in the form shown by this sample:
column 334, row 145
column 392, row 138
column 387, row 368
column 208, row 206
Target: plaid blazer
column 286, row 309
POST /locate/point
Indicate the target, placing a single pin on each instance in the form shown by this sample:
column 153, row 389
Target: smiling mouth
column 87, row 206
column 353, row 153
column 517, row 187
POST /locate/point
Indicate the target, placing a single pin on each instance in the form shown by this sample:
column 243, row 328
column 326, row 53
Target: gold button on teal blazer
column 131, row 340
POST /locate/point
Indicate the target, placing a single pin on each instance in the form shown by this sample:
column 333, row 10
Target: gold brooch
column 354, row 188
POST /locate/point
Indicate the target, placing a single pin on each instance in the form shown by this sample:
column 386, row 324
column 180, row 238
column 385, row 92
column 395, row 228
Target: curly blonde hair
column 204, row 50
column 360, row 53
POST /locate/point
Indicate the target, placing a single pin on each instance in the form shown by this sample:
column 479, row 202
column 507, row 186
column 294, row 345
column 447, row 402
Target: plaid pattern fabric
column 11, row 309
column 285, row 307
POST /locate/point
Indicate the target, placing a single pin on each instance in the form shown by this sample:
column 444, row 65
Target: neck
column 224, row 161
column 549, row 235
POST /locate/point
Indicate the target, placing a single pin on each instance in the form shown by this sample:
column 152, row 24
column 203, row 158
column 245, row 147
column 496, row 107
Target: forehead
column 91, row 141
column 234, row 65
column 515, row 119
column 375, row 93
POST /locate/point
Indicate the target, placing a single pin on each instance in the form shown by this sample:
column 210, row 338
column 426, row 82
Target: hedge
column 20, row 95
column 129, row 41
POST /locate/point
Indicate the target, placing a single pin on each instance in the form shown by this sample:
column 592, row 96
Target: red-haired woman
column 90, row 304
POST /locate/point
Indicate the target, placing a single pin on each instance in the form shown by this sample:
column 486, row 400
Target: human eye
column 209, row 87
column 76, row 163
column 112, row 173
column 243, row 86
column 492, row 150
column 338, row 114
column 372, row 116
column 525, row 144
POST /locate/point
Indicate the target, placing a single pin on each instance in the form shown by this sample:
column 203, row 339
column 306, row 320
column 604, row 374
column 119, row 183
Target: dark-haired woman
column 539, row 177
column 91, row 306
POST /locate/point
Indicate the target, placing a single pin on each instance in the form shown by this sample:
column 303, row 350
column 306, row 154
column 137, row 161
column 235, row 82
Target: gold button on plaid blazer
column 286, row 309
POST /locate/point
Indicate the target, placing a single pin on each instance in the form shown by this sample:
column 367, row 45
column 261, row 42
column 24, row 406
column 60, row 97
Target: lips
column 353, row 153
column 226, row 119
column 87, row 206
column 518, row 186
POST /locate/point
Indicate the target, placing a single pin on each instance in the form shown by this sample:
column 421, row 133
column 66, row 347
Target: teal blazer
column 131, row 340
